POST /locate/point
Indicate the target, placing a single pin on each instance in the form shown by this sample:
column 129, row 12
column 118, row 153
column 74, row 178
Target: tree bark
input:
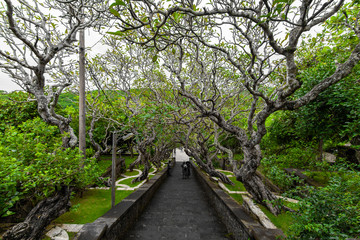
column 208, row 168
column 143, row 175
column 321, row 144
column 136, row 162
column 49, row 116
column 41, row 216
column 261, row 193
column 253, row 183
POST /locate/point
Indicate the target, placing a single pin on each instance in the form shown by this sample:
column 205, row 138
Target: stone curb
column 234, row 216
column 114, row 223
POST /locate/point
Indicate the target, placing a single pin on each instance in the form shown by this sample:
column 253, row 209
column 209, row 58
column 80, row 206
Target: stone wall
column 237, row 221
column 114, row 224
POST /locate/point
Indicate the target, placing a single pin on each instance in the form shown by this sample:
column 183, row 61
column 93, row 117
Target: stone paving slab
column 179, row 210
column 71, row 227
column 57, row 233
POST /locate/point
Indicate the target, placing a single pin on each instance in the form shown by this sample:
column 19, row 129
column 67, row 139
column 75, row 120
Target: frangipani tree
column 258, row 39
column 131, row 105
column 39, row 38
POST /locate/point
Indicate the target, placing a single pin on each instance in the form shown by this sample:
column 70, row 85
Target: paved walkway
column 179, row 210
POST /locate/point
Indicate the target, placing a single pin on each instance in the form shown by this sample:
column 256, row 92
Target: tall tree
column 40, row 37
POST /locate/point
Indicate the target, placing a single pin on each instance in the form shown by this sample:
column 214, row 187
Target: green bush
column 16, row 109
column 331, row 212
column 301, row 156
column 282, row 179
column 33, row 164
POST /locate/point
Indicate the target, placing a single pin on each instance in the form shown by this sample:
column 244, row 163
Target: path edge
column 237, row 221
column 114, row 224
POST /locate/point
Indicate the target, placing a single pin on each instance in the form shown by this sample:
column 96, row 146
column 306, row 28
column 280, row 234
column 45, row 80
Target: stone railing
column 117, row 221
column 234, row 216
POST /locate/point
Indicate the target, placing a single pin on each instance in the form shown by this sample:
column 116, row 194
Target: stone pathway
column 179, row 210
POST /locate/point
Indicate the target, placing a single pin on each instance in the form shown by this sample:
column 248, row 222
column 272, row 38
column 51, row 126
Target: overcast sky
column 6, row 84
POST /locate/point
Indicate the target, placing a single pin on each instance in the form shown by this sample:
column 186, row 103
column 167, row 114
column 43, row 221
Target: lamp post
column 82, row 128
column 113, row 164
column 113, row 169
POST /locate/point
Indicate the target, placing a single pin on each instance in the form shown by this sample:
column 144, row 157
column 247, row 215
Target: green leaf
column 118, row 3
column 114, row 12
column 118, row 33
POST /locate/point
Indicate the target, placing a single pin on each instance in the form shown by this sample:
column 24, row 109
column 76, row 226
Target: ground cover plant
column 329, row 212
column 283, row 221
column 91, row 205
column 237, row 197
column 129, row 174
column 130, row 183
column 238, row 186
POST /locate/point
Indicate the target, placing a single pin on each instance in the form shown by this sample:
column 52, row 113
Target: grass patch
column 129, row 159
column 128, row 182
column 321, row 176
column 71, row 235
column 237, row 187
column 130, row 174
column 291, row 205
column 282, row 221
column 92, row 205
column 237, row 197
column 225, row 172
column 104, row 164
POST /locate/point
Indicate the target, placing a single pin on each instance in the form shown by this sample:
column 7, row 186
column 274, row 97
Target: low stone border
column 257, row 212
column 114, row 224
column 234, row 216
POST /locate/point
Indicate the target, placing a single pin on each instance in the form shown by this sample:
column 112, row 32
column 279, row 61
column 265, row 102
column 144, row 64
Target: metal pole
column 113, row 171
column 82, row 128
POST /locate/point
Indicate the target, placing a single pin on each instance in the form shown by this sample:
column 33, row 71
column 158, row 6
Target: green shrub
column 92, row 205
column 16, row 109
column 331, row 212
column 33, row 164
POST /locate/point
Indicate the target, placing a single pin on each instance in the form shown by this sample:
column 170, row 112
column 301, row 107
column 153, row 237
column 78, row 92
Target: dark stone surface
column 94, row 231
column 237, row 221
column 349, row 153
column 179, row 210
column 114, row 224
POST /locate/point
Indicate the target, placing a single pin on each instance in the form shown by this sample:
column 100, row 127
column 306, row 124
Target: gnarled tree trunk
column 253, row 183
column 41, row 216
column 143, row 175
column 134, row 163
column 208, row 168
column 48, row 114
